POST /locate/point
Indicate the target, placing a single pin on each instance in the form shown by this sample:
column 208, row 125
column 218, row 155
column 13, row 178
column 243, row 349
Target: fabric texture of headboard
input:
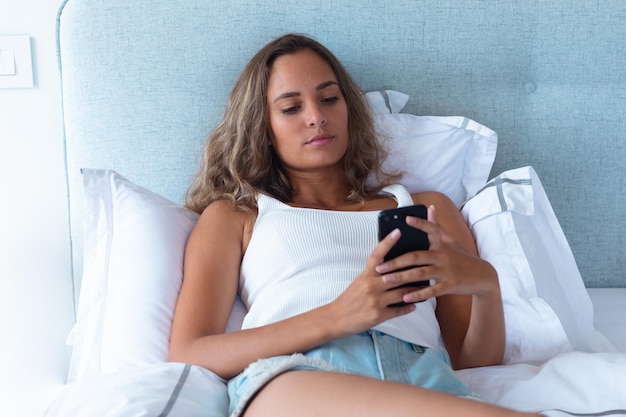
column 144, row 81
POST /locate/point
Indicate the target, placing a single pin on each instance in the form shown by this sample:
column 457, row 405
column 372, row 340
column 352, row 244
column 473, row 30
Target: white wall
column 36, row 310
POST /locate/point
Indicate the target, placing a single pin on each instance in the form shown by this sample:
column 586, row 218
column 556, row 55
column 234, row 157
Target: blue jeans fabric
column 372, row 354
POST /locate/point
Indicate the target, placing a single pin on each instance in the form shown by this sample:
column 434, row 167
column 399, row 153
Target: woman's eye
column 290, row 110
column 330, row 100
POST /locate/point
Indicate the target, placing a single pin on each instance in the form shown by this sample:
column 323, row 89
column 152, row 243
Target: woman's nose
column 316, row 117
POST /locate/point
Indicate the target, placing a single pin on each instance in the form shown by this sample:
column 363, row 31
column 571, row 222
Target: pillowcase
column 164, row 389
column 386, row 101
column 546, row 306
column 453, row 155
column 133, row 267
column 133, row 250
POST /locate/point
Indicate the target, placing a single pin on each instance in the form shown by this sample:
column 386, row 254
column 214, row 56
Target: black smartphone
column 411, row 239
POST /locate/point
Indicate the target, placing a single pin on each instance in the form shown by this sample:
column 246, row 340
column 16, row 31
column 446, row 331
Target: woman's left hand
column 450, row 267
column 469, row 303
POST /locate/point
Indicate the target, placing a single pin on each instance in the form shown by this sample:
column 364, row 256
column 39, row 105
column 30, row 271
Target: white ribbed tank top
column 300, row 258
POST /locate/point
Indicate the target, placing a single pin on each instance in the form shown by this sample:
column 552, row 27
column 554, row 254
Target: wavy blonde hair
column 238, row 160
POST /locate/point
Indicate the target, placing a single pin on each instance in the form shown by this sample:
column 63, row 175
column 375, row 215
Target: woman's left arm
column 469, row 302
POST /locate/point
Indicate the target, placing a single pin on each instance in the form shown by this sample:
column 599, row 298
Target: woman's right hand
column 367, row 300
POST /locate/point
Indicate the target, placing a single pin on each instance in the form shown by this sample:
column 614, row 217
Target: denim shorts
column 372, row 354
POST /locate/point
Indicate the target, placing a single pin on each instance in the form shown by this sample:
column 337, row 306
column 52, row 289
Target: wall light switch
column 7, row 62
column 16, row 65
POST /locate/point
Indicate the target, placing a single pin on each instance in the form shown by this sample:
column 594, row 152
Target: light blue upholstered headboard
column 145, row 80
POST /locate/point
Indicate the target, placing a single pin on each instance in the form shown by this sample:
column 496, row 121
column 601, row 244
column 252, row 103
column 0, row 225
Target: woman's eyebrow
column 326, row 84
column 290, row 94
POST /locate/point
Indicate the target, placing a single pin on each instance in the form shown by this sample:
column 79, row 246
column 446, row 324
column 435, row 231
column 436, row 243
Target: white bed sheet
column 609, row 305
column 572, row 383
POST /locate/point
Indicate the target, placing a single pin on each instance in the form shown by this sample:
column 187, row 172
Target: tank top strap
column 401, row 194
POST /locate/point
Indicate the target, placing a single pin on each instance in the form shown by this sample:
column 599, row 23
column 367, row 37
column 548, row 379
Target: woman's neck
column 333, row 195
column 324, row 188
column 330, row 195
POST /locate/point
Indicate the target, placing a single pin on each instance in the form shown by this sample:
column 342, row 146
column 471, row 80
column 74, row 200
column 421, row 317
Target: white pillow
column 134, row 244
column 164, row 389
column 547, row 308
column 453, row 155
column 133, row 266
column 386, row 101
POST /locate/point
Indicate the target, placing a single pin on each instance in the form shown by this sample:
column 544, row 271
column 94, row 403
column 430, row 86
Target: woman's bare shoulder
column 223, row 210
column 434, row 198
column 222, row 218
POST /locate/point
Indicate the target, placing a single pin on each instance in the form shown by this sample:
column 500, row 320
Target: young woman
column 289, row 222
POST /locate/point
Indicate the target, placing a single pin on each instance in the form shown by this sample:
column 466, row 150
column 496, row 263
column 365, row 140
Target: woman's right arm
column 211, row 274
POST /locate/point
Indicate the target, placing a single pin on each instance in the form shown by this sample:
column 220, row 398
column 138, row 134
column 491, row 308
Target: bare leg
column 323, row 394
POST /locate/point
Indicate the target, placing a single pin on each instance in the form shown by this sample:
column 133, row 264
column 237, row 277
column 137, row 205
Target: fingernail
column 395, row 234
column 389, row 278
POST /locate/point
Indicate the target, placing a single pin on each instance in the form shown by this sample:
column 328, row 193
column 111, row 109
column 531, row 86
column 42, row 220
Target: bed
column 515, row 109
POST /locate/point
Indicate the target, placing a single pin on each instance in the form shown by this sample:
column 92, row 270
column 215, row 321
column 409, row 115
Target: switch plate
column 7, row 62
column 16, row 65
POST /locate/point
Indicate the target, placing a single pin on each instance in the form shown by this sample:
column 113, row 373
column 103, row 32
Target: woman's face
column 307, row 112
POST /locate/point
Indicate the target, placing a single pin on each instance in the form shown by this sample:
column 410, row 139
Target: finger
column 432, row 219
column 410, row 276
column 400, row 309
column 431, row 291
column 428, row 226
column 424, row 225
column 432, row 215
column 379, row 252
column 407, row 295
column 395, row 305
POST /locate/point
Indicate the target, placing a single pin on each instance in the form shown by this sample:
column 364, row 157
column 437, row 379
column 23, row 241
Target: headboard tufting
column 141, row 92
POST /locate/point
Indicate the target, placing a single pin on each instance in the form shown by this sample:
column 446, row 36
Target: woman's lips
column 320, row 140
